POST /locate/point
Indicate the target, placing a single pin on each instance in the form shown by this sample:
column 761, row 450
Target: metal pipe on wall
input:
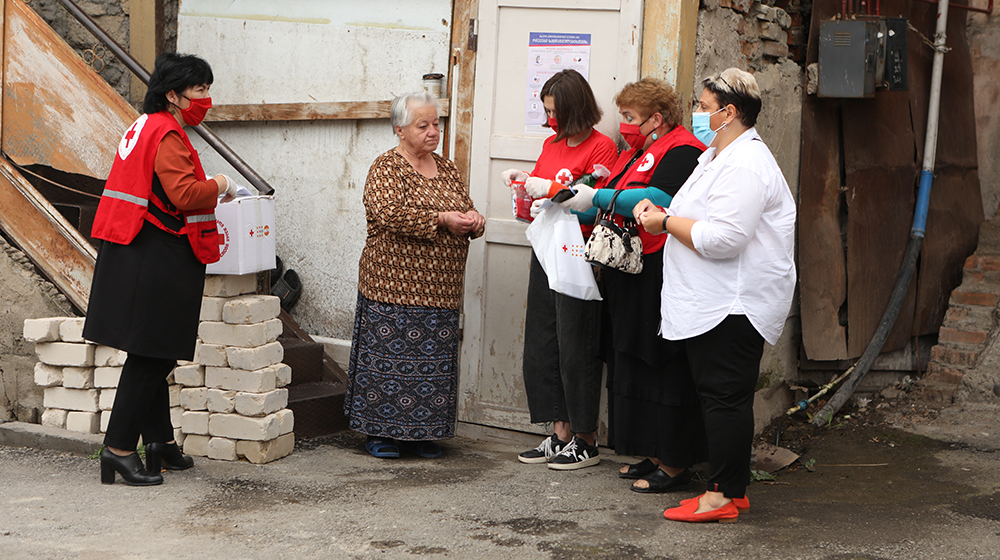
column 132, row 64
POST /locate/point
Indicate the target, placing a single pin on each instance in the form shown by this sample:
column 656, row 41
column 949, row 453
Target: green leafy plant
column 759, row 475
column 141, row 450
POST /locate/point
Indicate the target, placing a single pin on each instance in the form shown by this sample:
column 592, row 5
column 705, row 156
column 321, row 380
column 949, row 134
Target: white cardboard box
column 246, row 236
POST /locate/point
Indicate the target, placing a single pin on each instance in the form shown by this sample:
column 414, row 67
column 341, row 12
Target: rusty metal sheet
column 56, row 110
column 45, row 236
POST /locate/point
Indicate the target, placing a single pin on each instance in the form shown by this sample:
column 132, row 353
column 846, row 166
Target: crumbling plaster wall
column 754, row 37
column 984, row 44
column 26, row 295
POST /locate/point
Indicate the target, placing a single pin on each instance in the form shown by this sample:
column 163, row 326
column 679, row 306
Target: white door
column 491, row 387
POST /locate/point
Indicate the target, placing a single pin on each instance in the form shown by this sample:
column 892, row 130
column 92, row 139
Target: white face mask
column 701, row 128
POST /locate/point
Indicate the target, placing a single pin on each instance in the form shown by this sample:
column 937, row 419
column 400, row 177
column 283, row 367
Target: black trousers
column 562, row 369
column 725, row 364
column 142, row 404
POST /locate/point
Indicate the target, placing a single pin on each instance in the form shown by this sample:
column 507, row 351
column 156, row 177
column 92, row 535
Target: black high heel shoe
column 129, row 466
column 166, row 456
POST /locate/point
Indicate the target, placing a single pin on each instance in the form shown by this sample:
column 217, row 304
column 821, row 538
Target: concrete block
column 42, row 330
column 211, row 355
column 194, row 398
column 244, row 336
column 257, row 381
column 193, row 422
column 176, row 413
column 78, row 378
column 71, row 330
column 261, row 404
column 221, row 401
column 250, row 309
column 260, row 452
column 222, row 449
column 86, row 422
column 179, row 437
column 66, row 353
column 773, row 32
column 174, row 391
column 107, row 399
column 286, row 421
column 107, row 377
column 229, row 285
column 48, row 376
column 105, row 418
column 54, row 417
column 234, row 426
column 84, row 400
column 283, row 374
column 196, row 445
column 190, row 376
column 106, row 356
column 211, row 308
column 255, row 358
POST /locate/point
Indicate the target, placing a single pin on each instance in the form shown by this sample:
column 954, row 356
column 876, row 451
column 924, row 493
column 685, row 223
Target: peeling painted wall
column 304, row 52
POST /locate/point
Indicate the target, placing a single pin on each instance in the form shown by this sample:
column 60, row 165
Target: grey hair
column 738, row 88
column 400, row 114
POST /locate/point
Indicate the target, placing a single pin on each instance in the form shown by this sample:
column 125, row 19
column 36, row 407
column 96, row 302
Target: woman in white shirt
column 728, row 278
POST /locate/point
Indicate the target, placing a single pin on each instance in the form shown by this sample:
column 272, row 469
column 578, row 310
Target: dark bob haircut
column 174, row 72
column 576, row 108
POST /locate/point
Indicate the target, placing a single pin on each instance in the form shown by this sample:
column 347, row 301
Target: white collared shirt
column 744, row 234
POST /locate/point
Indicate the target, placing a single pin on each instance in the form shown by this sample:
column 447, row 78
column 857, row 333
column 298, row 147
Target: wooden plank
column 144, row 19
column 39, row 230
column 669, row 33
column 340, row 110
column 463, row 78
column 56, row 110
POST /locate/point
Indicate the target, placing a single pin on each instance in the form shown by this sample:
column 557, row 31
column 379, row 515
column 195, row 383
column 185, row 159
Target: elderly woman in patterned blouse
column 402, row 382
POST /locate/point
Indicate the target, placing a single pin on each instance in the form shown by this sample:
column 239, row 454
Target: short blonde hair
column 737, row 88
column 652, row 95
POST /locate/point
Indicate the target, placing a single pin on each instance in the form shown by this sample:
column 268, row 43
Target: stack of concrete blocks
column 79, row 377
column 233, row 397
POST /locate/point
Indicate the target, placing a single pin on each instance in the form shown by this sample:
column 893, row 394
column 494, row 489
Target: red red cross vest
column 637, row 175
column 129, row 200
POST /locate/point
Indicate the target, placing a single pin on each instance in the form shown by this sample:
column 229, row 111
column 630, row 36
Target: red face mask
column 631, row 134
column 196, row 111
column 553, row 125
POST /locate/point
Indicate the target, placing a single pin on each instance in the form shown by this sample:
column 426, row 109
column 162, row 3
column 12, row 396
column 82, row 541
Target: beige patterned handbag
column 611, row 246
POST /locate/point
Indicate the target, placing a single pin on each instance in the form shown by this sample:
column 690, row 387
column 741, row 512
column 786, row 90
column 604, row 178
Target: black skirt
column 146, row 296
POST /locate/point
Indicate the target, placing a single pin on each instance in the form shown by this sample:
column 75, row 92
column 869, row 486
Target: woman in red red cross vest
column 156, row 220
column 562, row 368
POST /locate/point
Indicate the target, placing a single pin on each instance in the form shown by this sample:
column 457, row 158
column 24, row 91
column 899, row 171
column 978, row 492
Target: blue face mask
column 701, row 128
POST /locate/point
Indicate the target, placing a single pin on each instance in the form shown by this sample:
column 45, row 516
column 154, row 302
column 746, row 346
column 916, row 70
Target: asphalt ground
column 872, row 491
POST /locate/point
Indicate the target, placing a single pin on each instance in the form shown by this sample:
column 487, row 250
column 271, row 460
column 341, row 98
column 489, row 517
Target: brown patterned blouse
column 407, row 258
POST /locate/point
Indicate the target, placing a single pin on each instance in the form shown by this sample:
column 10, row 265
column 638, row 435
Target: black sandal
column 638, row 470
column 659, row 481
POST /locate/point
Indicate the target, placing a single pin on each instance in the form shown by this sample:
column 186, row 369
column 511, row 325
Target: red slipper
column 725, row 514
column 742, row 504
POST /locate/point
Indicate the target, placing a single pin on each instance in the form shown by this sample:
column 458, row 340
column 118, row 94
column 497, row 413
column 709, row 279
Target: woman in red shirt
column 562, row 368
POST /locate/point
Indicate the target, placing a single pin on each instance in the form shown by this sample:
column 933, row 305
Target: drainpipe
column 825, row 414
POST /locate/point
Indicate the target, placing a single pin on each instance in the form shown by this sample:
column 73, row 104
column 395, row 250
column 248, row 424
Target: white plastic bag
column 558, row 243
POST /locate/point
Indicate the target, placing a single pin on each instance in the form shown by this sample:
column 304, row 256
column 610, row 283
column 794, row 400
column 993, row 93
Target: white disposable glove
column 231, row 187
column 513, row 175
column 583, row 200
column 538, row 205
column 537, row 187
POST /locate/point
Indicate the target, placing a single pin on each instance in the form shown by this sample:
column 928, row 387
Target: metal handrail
column 132, row 64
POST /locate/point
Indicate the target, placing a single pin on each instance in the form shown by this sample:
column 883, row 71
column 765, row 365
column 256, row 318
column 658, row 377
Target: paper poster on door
column 548, row 54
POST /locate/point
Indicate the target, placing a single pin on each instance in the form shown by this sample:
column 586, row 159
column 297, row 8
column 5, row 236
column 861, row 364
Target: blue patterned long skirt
column 402, row 381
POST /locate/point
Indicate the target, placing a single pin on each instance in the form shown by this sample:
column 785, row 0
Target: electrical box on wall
column 857, row 56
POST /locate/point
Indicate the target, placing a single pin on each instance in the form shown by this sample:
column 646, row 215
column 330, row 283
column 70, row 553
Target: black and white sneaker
column 544, row 452
column 576, row 455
